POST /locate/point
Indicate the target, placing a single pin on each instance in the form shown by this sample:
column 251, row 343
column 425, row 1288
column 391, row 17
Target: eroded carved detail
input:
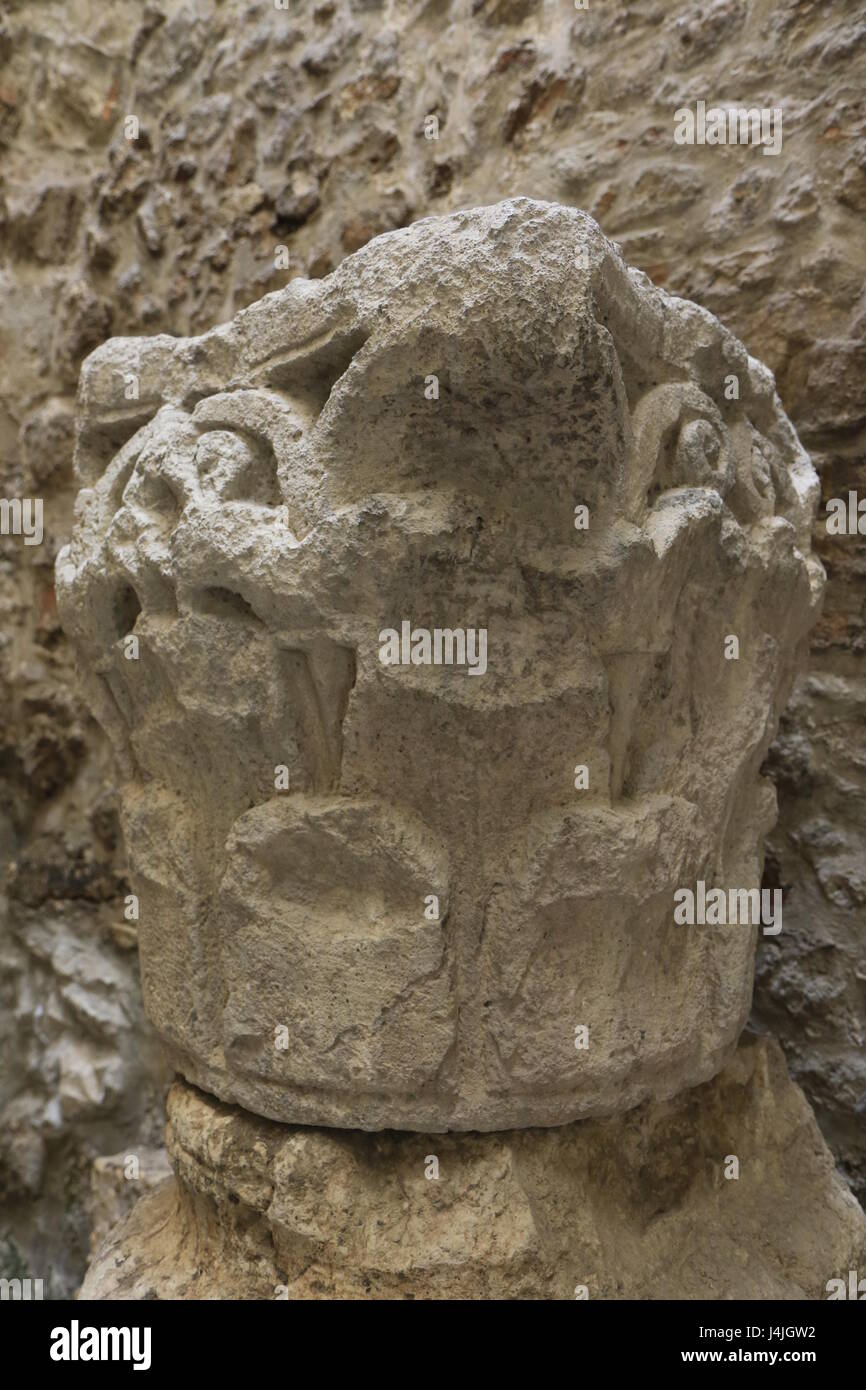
column 288, row 492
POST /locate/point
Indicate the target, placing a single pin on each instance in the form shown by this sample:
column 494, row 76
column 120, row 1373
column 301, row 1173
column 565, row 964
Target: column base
column 635, row 1207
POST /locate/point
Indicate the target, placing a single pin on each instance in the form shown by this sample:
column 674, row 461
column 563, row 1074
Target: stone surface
column 636, row 1207
column 811, row 988
column 286, row 493
column 78, row 1035
column 305, row 129
column 117, row 1182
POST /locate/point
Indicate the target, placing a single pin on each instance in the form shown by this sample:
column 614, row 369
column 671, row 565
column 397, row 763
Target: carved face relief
column 392, row 894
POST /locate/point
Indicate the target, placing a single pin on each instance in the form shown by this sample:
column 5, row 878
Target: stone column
column 441, row 613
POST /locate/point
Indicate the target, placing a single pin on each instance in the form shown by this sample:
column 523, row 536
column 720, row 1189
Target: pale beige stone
column 577, row 107
column 281, row 491
column 117, row 1182
column 635, row 1207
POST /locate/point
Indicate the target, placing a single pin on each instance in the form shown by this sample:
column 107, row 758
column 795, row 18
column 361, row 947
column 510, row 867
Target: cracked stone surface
column 306, row 128
column 259, row 1210
column 282, row 489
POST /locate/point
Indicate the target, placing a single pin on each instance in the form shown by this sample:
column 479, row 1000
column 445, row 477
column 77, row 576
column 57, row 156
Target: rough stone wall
column 304, row 128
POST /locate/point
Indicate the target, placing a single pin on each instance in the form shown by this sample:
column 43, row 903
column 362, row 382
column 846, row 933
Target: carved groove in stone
column 292, row 493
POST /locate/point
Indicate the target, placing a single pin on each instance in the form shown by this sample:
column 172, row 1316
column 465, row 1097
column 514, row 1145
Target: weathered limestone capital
column 381, row 890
